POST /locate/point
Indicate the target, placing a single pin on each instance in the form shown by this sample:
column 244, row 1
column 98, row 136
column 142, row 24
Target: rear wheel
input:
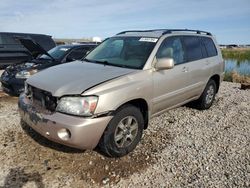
column 123, row 132
column 206, row 99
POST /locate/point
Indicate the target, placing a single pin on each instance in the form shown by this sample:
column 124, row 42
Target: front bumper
column 85, row 132
column 12, row 85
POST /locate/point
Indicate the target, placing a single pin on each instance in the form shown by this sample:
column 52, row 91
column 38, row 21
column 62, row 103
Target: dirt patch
column 6, row 98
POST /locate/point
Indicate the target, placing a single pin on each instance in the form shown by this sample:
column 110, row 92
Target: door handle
column 184, row 69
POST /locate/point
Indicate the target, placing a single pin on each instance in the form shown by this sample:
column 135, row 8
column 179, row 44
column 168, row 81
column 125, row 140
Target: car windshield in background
column 130, row 52
column 57, row 53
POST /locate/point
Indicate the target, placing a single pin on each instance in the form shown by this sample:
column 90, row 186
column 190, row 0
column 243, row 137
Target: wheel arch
column 142, row 105
column 216, row 79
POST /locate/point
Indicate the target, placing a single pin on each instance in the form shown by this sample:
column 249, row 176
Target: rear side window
column 193, row 48
column 210, row 47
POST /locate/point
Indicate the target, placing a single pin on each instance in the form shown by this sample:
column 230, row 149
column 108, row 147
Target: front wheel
column 123, row 132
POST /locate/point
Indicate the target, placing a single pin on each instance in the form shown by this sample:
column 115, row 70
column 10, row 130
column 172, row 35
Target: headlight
column 25, row 74
column 81, row 106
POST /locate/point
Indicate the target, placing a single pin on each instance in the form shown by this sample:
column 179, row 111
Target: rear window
column 193, row 48
column 210, row 47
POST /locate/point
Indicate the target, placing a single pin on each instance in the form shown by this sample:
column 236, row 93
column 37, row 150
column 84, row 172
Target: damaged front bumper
column 11, row 85
column 77, row 132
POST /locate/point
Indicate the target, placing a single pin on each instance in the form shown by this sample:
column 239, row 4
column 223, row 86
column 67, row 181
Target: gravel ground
column 183, row 147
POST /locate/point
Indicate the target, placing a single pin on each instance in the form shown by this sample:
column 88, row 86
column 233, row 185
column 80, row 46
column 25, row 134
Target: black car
column 14, row 76
column 13, row 52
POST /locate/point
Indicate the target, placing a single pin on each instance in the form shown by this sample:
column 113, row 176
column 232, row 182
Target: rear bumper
column 85, row 132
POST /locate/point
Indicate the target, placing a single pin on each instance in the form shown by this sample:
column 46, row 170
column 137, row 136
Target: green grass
column 238, row 54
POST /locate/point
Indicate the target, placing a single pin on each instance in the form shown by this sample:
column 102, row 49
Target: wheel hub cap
column 210, row 94
column 126, row 131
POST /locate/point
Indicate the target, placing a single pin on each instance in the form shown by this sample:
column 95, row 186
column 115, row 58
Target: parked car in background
column 107, row 100
column 13, row 52
column 14, row 76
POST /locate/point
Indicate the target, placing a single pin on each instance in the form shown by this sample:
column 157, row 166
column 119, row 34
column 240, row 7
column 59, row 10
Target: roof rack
column 130, row 31
column 186, row 30
column 166, row 31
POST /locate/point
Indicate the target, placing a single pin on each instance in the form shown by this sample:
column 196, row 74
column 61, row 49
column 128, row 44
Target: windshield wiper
column 96, row 61
column 108, row 63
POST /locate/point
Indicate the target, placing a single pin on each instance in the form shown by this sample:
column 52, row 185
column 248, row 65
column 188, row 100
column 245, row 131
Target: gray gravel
column 183, row 147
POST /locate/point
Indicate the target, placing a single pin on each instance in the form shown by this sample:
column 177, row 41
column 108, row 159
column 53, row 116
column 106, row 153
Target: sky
column 228, row 20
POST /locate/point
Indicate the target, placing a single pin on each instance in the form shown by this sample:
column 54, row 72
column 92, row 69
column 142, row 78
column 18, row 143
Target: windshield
column 130, row 52
column 57, row 53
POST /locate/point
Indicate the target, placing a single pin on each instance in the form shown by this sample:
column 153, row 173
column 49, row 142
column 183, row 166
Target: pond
column 241, row 67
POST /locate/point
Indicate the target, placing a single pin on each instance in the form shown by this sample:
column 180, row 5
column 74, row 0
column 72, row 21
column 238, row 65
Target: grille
column 44, row 98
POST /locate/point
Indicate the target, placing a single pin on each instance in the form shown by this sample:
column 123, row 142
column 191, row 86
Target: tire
column 123, row 132
column 207, row 97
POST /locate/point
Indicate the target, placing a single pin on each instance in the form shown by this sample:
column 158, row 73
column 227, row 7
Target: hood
column 34, row 48
column 75, row 77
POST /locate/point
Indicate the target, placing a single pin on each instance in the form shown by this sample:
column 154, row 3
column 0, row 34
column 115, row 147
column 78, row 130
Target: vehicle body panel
column 170, row 87
column 58, row 81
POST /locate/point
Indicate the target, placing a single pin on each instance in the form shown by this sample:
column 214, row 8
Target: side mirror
column 164, row 63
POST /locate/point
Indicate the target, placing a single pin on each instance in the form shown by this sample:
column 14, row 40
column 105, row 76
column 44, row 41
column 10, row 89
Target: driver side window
column 172, row 48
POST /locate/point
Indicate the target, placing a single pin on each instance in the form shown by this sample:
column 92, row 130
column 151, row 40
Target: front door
column 170, row 86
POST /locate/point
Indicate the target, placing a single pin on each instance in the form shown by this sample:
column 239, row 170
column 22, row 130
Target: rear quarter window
column 210, row 47
column 192, row 48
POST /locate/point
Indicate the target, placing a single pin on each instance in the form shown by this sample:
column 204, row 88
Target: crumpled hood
column 75, row 77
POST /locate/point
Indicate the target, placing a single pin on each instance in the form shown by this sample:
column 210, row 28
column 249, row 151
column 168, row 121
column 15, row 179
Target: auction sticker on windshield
column 148, row 39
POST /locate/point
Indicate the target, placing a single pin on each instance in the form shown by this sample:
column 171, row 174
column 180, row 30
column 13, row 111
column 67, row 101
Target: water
column 241, row 67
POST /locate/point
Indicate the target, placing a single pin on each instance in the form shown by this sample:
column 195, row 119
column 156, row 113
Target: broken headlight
column 80, row 106
column 25, row 74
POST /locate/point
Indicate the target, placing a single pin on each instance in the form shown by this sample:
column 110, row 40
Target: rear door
column 170, row 86
column 197, row 65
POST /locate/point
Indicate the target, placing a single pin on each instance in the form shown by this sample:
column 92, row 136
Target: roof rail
column 151, row 30
column 186, row 30
column 166, row 31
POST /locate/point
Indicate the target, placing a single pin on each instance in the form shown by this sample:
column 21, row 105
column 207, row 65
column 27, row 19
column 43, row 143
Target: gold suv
column 107, row 99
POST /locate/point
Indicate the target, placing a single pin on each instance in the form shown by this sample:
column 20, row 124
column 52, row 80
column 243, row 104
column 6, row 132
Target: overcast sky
column 229, row 20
